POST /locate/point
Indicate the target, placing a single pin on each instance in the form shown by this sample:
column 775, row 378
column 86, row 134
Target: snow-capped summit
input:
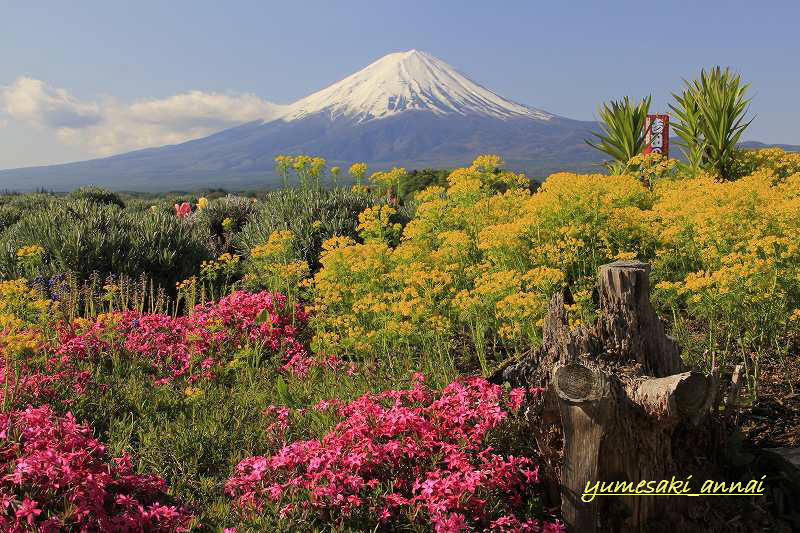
column 404, row 81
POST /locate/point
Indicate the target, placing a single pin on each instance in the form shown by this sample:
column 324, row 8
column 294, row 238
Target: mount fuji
column 407, row 81
column 407, row 108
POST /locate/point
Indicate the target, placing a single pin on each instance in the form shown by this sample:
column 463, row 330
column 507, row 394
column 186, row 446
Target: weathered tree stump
column 620, row 390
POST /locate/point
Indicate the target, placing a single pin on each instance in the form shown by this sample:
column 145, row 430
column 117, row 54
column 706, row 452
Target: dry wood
column 619, row 390
column 672, row 397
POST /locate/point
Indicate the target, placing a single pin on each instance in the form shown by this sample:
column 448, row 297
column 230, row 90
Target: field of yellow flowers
column 478, row 262
column 321, row 361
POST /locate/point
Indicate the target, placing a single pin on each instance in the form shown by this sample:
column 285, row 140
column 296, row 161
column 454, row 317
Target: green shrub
column 779, row 163
column 311, row 215
column 165, row 247
column 223, row 218
column 26, row 203
column 139, row 204
column 9, row 215
column 417, row 180
column 15, row 206
column 97, row 195
column 84, row 237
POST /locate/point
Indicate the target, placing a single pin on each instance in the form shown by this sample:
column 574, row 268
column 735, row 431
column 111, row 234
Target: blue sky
column 82, row 79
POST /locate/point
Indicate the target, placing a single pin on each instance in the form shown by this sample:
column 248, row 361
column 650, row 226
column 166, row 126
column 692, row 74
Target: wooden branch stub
column 561, row 342
column 628, row 327
column 735, row 388
column 578, row 383
column 625, row 282
column 673, row 397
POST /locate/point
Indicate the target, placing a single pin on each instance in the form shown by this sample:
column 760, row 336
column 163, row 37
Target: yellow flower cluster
column 228, row 258
column 32, row 250
column 374, row 223
column 307, row 168
column 283, row 161
column 779, row 163
column 482, row 257
column 651, row 167
column 19, row 300
column 729, row 252
column 278, row 245
column 193, row 392
column 377, row 296
column 357, row 171
column 110, row 288
column 313, row 165
column 389, row 180
column 272, row 266
column 24, row 318
column 186, row 284
column 226, row 263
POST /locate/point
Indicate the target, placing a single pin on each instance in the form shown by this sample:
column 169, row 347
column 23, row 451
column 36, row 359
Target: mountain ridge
column 405, row 109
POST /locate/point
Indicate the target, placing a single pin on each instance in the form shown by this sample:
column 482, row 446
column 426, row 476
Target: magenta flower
column 401, row 453
column 57, row 468
column 28, row 510
column 191, row 348
column 516, row 398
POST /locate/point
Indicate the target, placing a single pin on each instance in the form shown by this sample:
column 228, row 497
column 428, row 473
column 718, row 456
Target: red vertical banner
column 656, row 135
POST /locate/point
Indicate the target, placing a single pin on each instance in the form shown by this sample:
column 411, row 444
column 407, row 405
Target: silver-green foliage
column 312, row 215
column 15, row 206
column 84, row 237
column 210, row 221
column 98, row 195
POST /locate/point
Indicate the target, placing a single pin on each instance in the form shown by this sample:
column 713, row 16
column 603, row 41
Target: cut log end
column 690, row 393
column 578, row 383
column 677, row 396
column 622, row 277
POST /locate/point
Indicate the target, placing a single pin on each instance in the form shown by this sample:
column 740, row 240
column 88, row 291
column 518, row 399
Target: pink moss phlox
column 191, row 346
column 57, row 476
column 404, row 452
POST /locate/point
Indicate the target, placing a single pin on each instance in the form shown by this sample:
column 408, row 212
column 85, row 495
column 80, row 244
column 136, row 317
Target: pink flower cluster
column 189, row 348
column 192, row 346
column 401, row 455
column 56, row 477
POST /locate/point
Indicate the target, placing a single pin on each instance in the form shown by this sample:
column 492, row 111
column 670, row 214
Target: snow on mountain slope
column 405, row 81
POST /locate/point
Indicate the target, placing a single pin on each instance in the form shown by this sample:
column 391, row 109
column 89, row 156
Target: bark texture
column 619, row 390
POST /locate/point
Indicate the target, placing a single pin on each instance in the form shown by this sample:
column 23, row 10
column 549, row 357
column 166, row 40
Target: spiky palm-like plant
column 688, row 129
column 712, row 112
column 623, row 131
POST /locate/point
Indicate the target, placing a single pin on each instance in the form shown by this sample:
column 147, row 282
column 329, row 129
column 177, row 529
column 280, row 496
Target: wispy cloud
column 109, row 126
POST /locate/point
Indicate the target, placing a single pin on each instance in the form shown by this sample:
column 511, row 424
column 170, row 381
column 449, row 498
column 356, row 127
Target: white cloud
column 109, row 126
column 34, row 101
